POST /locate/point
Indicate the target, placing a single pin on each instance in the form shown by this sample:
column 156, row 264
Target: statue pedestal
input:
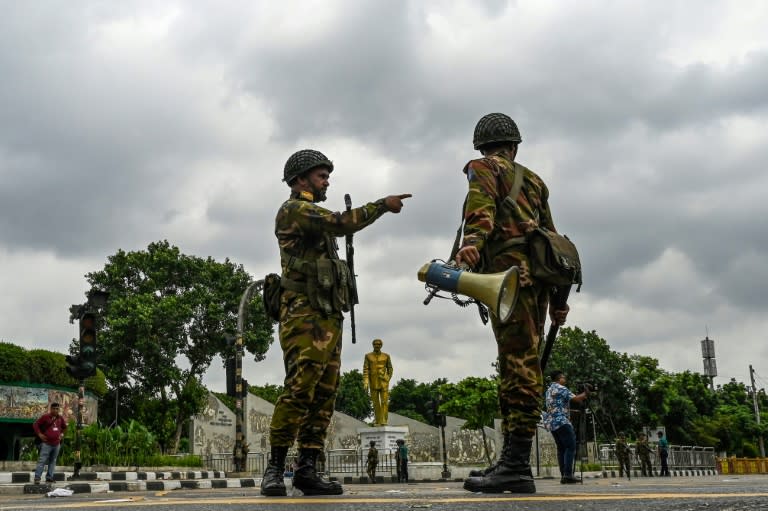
column 384, row 436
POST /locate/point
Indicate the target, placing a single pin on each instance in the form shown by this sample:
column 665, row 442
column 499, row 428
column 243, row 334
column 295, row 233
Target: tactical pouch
column 332, row 290
column 325, row 285
column 554, row 259
column 271, row 296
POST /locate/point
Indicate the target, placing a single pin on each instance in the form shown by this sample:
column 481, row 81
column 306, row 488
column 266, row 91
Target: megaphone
column 498, row 291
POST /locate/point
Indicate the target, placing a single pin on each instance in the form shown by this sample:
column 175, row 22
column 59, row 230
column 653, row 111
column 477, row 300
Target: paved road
column 678, row 494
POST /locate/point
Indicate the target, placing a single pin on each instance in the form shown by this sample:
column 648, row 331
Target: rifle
column 353, row 278
column 559, row 301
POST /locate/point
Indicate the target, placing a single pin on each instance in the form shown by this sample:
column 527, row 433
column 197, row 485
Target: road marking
column 390, row 500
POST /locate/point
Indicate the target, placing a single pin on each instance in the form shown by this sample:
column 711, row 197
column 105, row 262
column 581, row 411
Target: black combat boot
column 488, row 470
column 512, row 474
column 272, row 483
column 305, row 476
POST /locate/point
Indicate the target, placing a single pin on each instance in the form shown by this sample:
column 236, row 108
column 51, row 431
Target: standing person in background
column 49, row 428
column 557, row 421
column 663, row 450
column 401, row 458
column 623, row 454
column 494, row 240
column 372, row 462
column 315, row 292
column 644, row 452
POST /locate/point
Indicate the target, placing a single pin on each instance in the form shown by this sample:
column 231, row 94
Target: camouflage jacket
column 304, row 229
column 622, row 449
column 643, row 448
column 489, row 224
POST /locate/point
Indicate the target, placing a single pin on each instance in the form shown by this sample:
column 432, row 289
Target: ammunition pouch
column 327, row 286
column 271, row 296
column 554, row 259
column 329, row 290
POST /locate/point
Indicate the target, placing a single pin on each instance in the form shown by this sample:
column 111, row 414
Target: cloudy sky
column 124, row 123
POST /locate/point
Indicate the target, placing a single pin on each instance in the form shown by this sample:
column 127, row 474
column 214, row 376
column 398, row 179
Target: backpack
column 553, row 257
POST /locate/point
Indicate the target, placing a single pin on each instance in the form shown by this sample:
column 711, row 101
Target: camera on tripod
column 587, row 386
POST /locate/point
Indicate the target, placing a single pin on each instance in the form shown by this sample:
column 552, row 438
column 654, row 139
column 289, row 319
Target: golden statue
column 377, row 371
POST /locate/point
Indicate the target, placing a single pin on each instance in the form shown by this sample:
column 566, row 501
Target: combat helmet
column 495, row 128
column 302, row 161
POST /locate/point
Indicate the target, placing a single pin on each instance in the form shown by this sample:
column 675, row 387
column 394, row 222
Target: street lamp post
column 240, row 453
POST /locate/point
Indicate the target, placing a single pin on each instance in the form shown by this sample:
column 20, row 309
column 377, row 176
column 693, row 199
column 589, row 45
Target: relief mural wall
column 21, row 403
column 213, row 432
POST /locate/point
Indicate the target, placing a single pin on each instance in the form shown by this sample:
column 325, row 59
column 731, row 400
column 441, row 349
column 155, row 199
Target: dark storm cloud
column 180, row 117
column 90, row 138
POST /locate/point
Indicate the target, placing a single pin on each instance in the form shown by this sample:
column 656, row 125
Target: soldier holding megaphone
column 504, row 203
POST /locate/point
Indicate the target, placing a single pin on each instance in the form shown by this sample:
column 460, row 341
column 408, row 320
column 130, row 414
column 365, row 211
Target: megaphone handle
column 431, row 295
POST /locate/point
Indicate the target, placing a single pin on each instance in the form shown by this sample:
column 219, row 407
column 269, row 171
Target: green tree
column 13, row 363
column 266, row 392
column 411, row 399
column 586, row 357
column 43, row 367
column 643, row 374
column 167, row 317
column 474, row 400
column 352, row 398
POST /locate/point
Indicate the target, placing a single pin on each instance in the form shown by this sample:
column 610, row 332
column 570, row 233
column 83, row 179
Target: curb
column 128, row 486
column 28, row 477
column 672, row 473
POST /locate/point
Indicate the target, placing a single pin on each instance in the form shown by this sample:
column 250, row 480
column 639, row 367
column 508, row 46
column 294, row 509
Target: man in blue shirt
column 556, row 420
column 663, row 448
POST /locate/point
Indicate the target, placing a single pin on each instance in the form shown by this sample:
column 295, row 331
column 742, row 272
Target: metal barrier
column 734, row 465
column 255, row 462
column 353, row 461
column 337, row 461
column 681, row 458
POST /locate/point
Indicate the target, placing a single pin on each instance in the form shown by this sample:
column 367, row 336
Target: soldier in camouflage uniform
column 372, row 461
column 495, row 240
column 644, row 452
column 622, row 455
column 315, row 293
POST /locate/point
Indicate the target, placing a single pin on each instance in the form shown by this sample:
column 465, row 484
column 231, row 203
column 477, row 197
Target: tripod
column 580, row 425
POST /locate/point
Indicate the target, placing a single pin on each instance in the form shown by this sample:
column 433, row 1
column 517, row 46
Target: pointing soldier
column 315, row 293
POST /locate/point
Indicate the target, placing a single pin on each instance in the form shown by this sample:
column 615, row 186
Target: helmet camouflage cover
column 495, row 128
column 302, row 161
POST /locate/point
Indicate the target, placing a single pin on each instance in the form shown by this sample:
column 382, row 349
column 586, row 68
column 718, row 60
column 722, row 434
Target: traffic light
column 230, row 367
column 73, row 366
column 88, row 344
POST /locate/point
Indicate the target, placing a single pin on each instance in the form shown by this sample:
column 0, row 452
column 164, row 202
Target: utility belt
column 327, row 284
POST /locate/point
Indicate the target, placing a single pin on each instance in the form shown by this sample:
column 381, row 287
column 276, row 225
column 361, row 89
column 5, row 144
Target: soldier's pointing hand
column 394, row 203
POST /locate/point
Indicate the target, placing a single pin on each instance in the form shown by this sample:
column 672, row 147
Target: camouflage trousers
column 520, row 379
column 624, row 465
column 645, row 465
column 370, row 469
column 311, row 346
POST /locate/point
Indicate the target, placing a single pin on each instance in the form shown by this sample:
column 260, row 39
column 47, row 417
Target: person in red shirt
column 49, row 428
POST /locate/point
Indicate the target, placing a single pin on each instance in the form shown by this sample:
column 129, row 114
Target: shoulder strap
column 511, row 199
